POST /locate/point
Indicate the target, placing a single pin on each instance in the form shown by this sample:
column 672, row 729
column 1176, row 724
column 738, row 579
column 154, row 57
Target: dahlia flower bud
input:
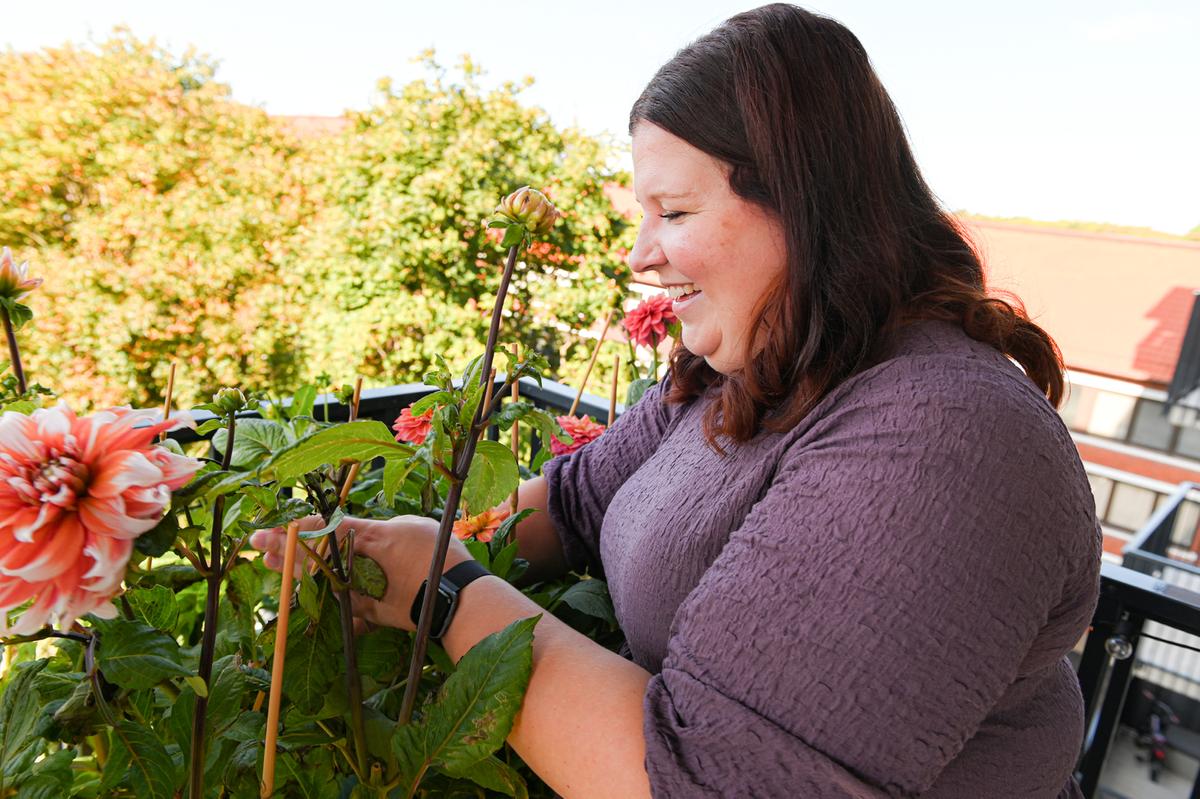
column 529, row 208
column 229, row 400
column 14, row 280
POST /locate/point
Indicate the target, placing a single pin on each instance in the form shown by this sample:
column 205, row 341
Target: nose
column 647, row 252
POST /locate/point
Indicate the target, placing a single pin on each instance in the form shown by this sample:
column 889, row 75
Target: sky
column 1058, row 109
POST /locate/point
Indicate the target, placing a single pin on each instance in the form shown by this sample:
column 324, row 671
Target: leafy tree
column 399, row 253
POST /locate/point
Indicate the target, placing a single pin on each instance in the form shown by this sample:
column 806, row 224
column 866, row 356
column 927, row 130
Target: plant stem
column 14, row 353
column 208, row 643
column 353, row 684
column 462, row 463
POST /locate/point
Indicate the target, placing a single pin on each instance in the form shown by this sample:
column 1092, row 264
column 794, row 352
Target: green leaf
column 382, row 653
column 495, row 775
column 474, row 709
column 335, row 519
column 314, row 661
column 492, row 477
column 155, row 606
column 52, row 777
column 302, row 402
column 429, row 401
column 253, row 440
column 503, row 561
column 207, row 427
column 506, row 528
column 18, row 313
column 139, row 757
column 395, row 472
column 18, row 715
column 225, row 696
column 289, row 510
column 343, row 443
column 159, row 538
column 547, row 426
column 309, row 596
column 514, row 235
column 479, row 551
column 307, row 782
column 591, row 598
column 368, row 577
column 539, row 460
column 134, row 655
column 636, row 389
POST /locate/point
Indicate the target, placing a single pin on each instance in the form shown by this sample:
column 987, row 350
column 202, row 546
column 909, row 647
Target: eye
column 669, row 215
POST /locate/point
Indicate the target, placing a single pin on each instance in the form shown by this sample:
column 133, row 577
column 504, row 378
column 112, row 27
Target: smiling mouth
column 682, row 291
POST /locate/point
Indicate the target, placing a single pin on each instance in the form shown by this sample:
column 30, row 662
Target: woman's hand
column 402, row 546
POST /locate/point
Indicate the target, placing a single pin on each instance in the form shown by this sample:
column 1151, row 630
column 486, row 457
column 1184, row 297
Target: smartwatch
column 453, row 581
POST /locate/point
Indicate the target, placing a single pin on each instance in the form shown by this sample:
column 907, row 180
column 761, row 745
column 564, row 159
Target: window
column 1070, row 407
column 1151, row 428
column 1131, row 506
column 1101, row 490
column 1186, row 518
column 1188, row 444
column 1111, row 415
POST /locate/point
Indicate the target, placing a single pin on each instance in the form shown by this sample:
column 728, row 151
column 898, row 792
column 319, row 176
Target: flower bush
column 144, row 637
column 581, row 430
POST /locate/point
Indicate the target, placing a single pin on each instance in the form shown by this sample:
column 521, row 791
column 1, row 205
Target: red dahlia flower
column 413, row 429
column 647, row 323
column 582, row 431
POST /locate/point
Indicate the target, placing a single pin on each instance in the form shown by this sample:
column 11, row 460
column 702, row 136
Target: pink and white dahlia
column 74, row 494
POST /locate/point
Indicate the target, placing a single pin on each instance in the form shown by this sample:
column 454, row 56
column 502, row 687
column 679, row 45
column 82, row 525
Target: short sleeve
column 877, row 600
column 581, row 485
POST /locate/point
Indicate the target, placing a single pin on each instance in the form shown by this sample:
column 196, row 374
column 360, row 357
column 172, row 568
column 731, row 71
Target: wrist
column 455, row 579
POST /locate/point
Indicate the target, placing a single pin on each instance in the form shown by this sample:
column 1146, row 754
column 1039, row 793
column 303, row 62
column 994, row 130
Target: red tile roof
column 1116, row 305
column 310, row 127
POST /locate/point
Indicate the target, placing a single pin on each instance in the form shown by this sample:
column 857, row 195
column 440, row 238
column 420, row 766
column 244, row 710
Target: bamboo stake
column 595, row 353
column 167, row 400
column 612, row 393
column 487, row 398
column 516, row 438
column 281, row 629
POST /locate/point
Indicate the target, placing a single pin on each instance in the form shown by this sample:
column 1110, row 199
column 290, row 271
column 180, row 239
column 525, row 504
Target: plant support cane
column 595, row 353
column 281, row 631
column 522, row 214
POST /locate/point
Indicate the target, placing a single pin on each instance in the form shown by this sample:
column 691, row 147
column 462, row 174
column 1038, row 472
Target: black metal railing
column 385, row 404
column 1151, row 593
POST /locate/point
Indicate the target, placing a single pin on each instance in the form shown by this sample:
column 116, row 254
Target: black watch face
column 441, row 612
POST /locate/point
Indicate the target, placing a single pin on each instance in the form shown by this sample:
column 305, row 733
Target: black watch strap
column 453, row 581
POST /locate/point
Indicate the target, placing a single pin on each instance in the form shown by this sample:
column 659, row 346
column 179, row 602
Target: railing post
column 1099, row 738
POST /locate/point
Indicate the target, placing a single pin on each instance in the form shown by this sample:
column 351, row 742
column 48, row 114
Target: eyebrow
column 665, row 195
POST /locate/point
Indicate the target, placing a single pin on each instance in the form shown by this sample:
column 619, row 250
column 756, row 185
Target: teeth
column 681, row 291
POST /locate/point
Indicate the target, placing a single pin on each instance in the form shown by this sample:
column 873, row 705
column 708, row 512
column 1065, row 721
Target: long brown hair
column 789, row 100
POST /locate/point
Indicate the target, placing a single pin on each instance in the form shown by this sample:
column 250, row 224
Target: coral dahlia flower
column 482, row 527
column 647, row 323
column 582, row 431
column 413, row 429
column 74, row 494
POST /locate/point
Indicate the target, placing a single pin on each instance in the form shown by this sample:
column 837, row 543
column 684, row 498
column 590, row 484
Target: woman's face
column 717, row 253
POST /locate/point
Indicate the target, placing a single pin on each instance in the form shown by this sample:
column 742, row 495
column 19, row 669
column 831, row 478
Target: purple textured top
column 877, row 603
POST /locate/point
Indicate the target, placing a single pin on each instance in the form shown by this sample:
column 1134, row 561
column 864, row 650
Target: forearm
column 580, row 727
column 537, row 540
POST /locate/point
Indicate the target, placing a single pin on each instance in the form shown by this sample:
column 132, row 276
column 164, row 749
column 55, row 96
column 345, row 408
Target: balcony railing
column 385, row 404
column 1146, row 627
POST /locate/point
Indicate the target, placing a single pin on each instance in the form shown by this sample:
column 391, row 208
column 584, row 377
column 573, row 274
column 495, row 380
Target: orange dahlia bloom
column 582, row 431
column 413, row 429
column 647, row 323
column 481, row 527
column 74, row 494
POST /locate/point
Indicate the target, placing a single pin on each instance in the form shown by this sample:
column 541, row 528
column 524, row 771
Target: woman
column 848, row 539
